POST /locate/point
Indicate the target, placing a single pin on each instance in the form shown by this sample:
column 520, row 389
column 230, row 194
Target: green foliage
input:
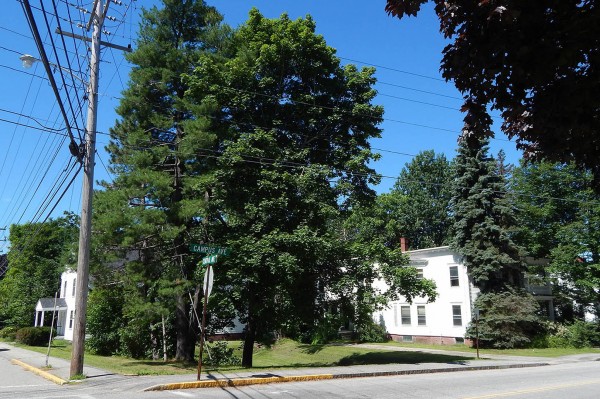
column 324, row 331
column 221, row 354
column 105, row 320
column 559, row 219
column 420, row 208
column 484, row 221
column 580, row 334
column 9, row 333
column 545, row 89
column 372, row 332
column 39, row 253
column 34, row 336
column 508, row 319
column 286, row 170
column 153, row 208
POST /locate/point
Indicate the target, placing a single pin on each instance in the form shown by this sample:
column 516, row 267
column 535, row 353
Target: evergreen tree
column 483, row 233
column 150, row 209
column 484, row 220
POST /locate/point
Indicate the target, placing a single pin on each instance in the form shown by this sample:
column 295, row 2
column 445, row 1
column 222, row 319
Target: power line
column 393, row 69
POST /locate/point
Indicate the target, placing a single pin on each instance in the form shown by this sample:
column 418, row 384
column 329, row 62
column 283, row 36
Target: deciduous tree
column 536, row 62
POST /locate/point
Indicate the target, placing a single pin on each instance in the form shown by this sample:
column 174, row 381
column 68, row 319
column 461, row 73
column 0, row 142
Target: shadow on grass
column 156, row 364
column 311, row 349
column 399, row 357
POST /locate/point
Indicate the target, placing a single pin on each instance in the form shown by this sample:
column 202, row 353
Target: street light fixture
column 28, row 60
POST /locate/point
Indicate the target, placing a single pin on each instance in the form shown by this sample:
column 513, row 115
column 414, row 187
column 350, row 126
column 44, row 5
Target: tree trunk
column 249, row 344
column 164, row 339
column 154, row 342
column 185, row 334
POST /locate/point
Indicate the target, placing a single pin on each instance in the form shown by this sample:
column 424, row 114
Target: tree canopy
column 294, row 161
column 558, row 220
column 149, row 211
column 421, row 201
column 537, row 62
column 484, row 221
column 39, row 253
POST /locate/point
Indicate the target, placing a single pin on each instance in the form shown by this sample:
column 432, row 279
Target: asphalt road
column 572, row 381
column 17, row 383
column 580, row 380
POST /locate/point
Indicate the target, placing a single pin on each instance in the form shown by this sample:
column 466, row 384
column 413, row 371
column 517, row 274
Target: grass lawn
column 542, row 352
column 290, row 354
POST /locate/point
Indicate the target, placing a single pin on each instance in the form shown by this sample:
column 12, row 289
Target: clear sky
column 421, row 109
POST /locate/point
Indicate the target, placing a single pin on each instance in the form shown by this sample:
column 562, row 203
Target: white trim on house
column 65, row 306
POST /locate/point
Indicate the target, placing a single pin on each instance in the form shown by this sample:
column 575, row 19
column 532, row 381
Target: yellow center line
column 533, row 390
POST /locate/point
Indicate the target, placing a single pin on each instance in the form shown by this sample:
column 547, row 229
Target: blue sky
column 421, row 109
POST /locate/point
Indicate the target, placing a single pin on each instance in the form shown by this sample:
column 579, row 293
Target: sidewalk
column 60, row 369
column 36, row 362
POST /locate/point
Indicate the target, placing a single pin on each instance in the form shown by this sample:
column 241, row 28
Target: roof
column 48, row 304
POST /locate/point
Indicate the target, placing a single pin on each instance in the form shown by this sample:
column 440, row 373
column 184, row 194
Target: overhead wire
column 62, row 75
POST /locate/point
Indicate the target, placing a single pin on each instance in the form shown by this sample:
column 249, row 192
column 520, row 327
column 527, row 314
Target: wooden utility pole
column 85, row 226
column 97, row 17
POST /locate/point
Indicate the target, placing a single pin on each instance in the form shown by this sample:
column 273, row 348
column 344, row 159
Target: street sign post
column 209, row 249
column 212, row 252
column 208, row 281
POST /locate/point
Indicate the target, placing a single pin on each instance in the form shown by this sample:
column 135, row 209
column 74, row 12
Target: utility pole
column 85, row 153
column 97, row 17
column 87, row 190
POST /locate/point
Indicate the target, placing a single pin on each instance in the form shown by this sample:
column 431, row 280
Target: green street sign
column 209, row 260
column 209, row 249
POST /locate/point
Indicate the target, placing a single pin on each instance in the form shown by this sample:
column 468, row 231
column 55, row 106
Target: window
column 407, row 338
column 420, row 274
column 74, row 284
column 456, row 315
column 71, row 320
column 65, row 293
column 395, row 315
column 454, row 276
column 421, row 319
column 405, row 315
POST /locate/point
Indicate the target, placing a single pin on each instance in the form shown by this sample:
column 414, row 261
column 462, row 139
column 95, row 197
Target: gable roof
column 46, row 304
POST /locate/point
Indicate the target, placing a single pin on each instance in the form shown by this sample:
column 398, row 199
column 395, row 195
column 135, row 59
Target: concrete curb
column 219, row 383
column 40, row 372
column 238, row 382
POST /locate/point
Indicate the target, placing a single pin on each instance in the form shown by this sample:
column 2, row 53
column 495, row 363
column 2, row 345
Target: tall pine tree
column 150, row 209
column 483, row 232
column 483, row 220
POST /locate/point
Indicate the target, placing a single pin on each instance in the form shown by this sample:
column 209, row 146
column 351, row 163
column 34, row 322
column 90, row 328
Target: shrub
column 222, row 355
column 104, row 320
column 372, row 332
column 580, row 334
column 34, row 336
column 507, row 320
column 9, row 333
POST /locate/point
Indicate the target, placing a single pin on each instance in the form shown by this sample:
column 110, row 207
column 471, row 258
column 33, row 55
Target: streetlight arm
column 28, row 60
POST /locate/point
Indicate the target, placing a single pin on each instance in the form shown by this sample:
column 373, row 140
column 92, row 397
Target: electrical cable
column 73, row 147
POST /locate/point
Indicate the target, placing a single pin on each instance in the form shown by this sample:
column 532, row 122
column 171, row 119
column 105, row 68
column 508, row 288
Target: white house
column 64, row 306
column 445, row 320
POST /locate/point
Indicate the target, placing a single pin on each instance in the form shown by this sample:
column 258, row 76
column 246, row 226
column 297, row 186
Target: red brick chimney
column 403, row 244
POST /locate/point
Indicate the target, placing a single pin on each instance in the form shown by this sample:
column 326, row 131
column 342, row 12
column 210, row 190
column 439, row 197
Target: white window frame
column 421, row 315
column 454, row 279
column 405, row 315
column 457, row 316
